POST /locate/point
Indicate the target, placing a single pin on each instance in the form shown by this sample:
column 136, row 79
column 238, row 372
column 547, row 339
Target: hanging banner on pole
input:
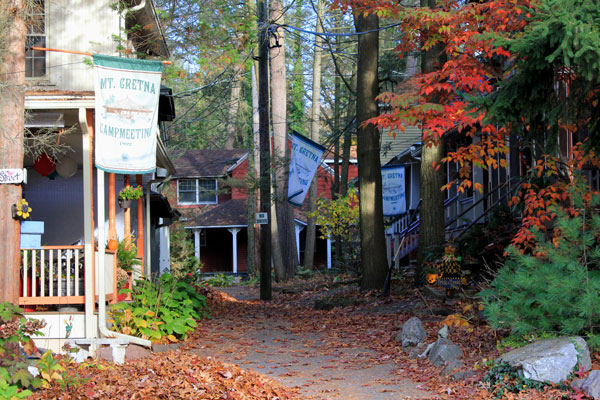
column 304, row 161
column 392, row 183
column 127, row 92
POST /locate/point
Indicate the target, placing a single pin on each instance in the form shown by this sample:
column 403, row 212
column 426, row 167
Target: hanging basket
column 125, row 203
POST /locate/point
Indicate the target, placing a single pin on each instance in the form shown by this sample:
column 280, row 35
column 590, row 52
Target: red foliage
column 440, row 101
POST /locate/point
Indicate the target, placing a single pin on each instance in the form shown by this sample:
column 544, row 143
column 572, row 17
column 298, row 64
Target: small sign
column 262, row 218
column 13, row 175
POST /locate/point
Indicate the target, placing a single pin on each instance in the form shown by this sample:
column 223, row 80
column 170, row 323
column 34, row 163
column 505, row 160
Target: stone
column 591, row 385
column 444, row 351
column 576, row 384
column 444, row 332
column 413, row 333
column 452, row 366
column 550, row 360
column 461, row 375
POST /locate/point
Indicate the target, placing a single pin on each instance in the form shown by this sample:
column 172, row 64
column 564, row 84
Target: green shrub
column 219, row 280
column 338, row 219
column 166, row 310
column 127, row 255
column 15, row 329
column 558, row 288
column 505, row 379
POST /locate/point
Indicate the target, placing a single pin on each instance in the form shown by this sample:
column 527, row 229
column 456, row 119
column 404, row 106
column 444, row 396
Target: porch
column 53, row 277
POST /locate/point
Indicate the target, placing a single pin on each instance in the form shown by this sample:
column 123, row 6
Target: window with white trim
column 35, row 60
column 197, row 191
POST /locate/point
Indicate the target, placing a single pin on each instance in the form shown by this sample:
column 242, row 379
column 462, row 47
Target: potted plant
column 129, row 193
column 126, row 261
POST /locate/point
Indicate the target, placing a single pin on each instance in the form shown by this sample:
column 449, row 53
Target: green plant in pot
column 129, row 193
column 126, row 261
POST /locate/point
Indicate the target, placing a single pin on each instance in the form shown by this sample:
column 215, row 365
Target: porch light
column 21, row 209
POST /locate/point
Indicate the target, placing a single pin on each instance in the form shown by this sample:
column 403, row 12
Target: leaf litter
column 301, row 353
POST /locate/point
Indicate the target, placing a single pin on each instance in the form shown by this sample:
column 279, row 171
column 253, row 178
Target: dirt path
column 290, row 342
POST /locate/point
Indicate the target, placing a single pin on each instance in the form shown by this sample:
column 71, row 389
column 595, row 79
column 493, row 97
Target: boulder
column 413, row 333
column 550, row 360
column 443, row 352
column 452, row 366
column 590, row 385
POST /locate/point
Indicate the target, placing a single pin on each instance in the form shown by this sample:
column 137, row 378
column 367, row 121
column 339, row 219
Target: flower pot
column 125, row 203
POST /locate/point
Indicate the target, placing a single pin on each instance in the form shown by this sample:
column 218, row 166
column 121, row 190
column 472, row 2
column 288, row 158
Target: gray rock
column 444, row 332
column 452, row 366
column 550, row 360
column 576, row 384
column 591, row 385
column 413, row 333
column 461, row 375
column 444, row 351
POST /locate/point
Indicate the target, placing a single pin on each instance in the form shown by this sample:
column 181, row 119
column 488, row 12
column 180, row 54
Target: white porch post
column 234, row 232
column 298, row 228
column 197, row 244
column 87, row 226
column 148, row 233
column 328, row 252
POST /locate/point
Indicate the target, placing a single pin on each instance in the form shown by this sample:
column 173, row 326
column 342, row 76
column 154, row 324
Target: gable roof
column 392, row 146
column 206, row 163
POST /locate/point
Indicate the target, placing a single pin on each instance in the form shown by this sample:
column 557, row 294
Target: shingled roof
column 206, row 163
column 234, row 213
column 231, row 213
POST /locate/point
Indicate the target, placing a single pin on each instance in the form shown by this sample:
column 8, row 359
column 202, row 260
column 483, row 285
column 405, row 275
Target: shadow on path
column 293, row 345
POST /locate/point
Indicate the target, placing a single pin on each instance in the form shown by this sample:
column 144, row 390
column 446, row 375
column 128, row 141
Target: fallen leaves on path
column 318, row 352
column 173, row 375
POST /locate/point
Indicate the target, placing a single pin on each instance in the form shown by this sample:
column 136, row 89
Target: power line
column 327, row 34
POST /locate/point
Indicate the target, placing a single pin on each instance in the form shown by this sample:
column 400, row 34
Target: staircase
column 402, row 234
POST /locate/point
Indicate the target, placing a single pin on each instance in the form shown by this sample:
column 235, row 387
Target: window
column 35, row 60
column 197, row 191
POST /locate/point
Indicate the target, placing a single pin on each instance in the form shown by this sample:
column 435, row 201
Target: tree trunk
column 431, row 230
column 234, row 107
column 285, row 215
column 265, row 155
column 348, row 138
column 372, row 241
column 12, row 108
column 296, row 114
column 253, row 173
column 311, row 228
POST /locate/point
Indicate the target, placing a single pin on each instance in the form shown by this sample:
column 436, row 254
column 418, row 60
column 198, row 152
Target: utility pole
column 265, row 156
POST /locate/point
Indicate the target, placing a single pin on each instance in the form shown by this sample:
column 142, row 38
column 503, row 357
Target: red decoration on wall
column 44, row 164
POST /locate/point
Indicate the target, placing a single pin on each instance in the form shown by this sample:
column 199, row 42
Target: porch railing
column 54, row 275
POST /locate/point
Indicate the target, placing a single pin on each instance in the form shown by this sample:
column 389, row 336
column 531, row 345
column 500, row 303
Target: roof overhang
column 162, row 157
column 59, row 101
column 151, row 40
column 219, row 226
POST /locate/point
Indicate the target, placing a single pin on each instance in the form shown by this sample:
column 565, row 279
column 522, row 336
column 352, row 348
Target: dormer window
column 35, row 60
column 197, row 191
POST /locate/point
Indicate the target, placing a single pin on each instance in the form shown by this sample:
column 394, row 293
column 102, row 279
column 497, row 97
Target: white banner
column 127, row 92
column 392, row 182
column 304, row 161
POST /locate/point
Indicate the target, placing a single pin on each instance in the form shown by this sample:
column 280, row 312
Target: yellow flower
column 23, row 209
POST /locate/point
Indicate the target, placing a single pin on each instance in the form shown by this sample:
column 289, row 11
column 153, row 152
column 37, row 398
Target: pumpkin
column 431, row 278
